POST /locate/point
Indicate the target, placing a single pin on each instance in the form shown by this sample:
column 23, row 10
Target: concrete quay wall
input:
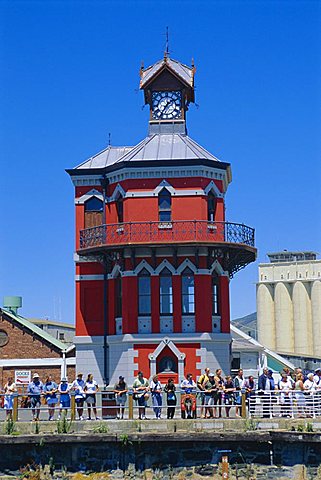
column 153, row 444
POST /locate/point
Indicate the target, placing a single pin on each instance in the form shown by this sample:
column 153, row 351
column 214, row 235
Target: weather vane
column 166, row 54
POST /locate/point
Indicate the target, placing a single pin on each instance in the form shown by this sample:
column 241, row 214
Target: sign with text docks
column 22, row 377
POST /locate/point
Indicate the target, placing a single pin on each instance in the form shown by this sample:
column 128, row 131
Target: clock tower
column 154, row 251
column 168, row 87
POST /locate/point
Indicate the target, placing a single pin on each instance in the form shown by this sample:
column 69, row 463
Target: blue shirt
column 48, row 387
column 63, row 389
column 35, row 388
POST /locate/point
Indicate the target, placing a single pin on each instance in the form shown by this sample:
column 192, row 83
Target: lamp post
column 106, row 262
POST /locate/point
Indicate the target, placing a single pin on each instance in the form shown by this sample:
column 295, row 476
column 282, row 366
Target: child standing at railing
column 50, row 389
column 64, row 396
column 9, row 389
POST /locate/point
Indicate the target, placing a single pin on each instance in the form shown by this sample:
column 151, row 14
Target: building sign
column 22, row 377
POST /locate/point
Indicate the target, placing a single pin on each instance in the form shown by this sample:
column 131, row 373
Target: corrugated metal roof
column 38, row 331
column 106, row 157
column 164, row 147
column 161, row 147
column 185, row 72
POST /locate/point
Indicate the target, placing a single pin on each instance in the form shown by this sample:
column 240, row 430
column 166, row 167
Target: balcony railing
column 181, row 231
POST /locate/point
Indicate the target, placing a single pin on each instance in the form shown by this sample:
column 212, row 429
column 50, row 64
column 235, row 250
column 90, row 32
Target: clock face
column 166, row 105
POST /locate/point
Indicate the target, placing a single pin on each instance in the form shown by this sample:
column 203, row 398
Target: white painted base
column 214, row 353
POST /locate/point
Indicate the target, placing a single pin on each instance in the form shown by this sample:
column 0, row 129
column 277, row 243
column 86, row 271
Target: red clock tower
column 154, row 252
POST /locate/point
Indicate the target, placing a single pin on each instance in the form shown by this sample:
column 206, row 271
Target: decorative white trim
column 144, row 325
column 150, row 172
column 184, row 264
column 79, row 278
column 92, row 193
column 188, row 324
column 216, row 320
column 143, row 264
column 212, row 187
column 154, row 338
column 85, row 259
column 166, row 324
column 178, row 354
column 217, row 267
column 164, row 184
column 36, row 362
column 116, row 271
column 119, row 325
column 165, row 264
column 117, row 193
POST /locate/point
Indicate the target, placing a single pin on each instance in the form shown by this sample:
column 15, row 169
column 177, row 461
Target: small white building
column 252, row 356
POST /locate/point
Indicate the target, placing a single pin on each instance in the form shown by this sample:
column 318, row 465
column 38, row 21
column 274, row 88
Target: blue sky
column 69, row 75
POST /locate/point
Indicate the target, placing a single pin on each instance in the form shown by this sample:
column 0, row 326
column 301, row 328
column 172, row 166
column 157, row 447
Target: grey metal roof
column 106, row 157
column 164, row 147
column 185, row 72
column 160, row 146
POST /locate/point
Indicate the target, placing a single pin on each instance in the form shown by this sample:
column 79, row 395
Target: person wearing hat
column 120, row 390
column 35, row 390
column 78, row 386
column 64, row 390
column 50, row 390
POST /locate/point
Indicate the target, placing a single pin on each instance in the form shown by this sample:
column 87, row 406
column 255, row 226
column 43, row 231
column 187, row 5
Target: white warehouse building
column 289, row 303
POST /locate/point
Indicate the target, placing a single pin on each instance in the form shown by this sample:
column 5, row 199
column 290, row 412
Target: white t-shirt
column 285, row 386
column 309, row 385
column 91, row 387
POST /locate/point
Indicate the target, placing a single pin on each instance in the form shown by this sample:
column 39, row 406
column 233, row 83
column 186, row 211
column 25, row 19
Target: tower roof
column 160, row 147
column 180, row 70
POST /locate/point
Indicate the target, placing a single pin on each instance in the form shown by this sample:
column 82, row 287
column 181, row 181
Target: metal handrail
column 164, row 232
column 257, row 404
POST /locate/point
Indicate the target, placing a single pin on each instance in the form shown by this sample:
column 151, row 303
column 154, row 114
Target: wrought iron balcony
column 158, row 233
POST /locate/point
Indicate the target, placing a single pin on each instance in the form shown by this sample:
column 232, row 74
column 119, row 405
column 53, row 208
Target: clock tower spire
column 168, row 87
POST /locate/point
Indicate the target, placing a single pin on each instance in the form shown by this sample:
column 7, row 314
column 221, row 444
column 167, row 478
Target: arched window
column 93, row 212
column 118, row 296
column 165, row 292
column 211, row 207
column 215, row 294
column 120, row 209
column 93, row 205
column 164, row 206
column 188, row 293
column 144, row 293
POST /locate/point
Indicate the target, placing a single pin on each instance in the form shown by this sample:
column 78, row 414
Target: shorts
column 91, row 399
column 35, row 402
column 208, row 400
column 52, row 401
column 65, row 403
column 142, row 402
column 8, row 402
column 121, row 401
column 238, row 399
column 79, row 401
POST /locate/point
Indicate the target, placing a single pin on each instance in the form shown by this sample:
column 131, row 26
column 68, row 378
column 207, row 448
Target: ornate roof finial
column 166, row 53
column 141, row 68
column 193, row 66
column 109, row 139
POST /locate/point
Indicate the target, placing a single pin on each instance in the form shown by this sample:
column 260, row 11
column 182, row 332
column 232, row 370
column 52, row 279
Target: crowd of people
column 56, row 396
column 215, row 392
